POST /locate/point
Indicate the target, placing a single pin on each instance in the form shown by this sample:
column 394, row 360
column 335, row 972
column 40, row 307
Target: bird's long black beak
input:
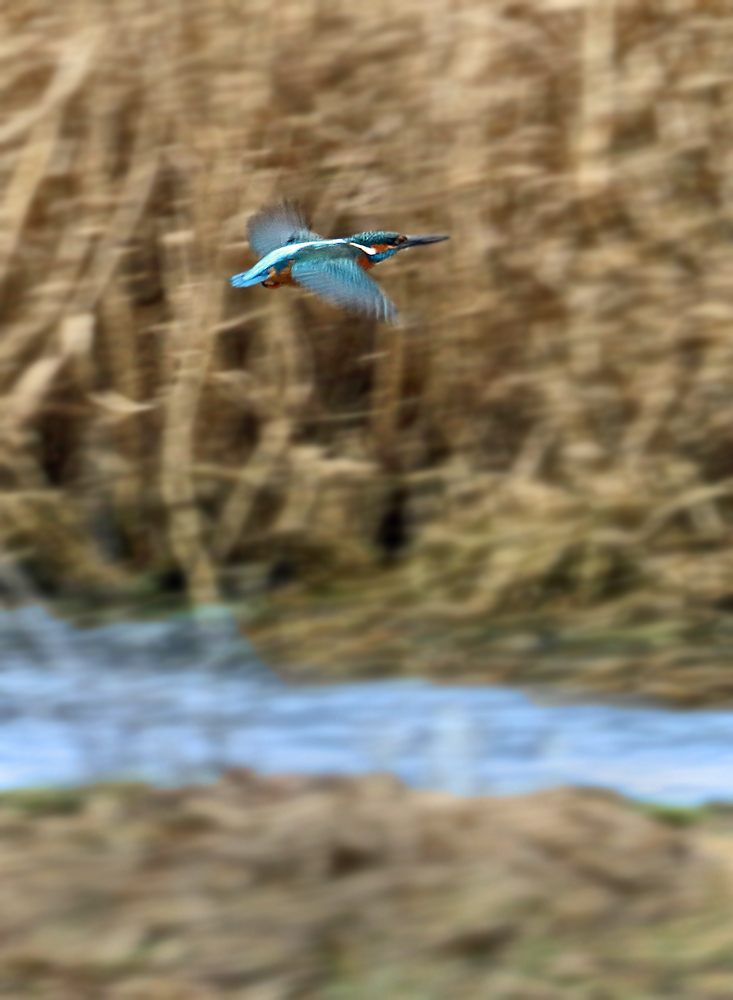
column 414, row 241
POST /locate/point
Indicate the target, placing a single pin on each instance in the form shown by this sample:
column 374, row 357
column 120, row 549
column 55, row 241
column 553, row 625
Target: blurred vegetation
column 352, row 889
column 550, row 431
column 540, row 457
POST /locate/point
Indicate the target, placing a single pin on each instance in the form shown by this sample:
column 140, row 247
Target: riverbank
column 379, row 628
column 277, row 888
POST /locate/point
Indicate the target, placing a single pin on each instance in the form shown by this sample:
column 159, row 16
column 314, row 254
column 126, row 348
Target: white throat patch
column 370, row 250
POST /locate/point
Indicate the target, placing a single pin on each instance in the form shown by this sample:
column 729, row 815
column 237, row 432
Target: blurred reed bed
column 551, row 426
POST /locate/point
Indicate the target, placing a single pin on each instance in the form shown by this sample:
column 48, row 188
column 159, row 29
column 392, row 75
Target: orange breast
column 275, row 279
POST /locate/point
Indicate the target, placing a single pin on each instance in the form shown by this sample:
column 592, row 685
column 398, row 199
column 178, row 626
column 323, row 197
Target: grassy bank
column 349, row 889
column 384, row 630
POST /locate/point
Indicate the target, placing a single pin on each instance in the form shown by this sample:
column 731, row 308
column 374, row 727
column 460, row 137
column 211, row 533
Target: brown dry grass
column 554, row 416
column 357, row 889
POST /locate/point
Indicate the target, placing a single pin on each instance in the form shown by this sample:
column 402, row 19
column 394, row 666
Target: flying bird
column 336, row 270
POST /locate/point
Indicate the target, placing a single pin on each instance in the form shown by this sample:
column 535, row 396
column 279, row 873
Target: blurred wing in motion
column 277, row 226
column 344, row 283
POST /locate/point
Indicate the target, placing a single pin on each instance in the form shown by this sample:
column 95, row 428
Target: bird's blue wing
column 344, row 283
column 277, row 226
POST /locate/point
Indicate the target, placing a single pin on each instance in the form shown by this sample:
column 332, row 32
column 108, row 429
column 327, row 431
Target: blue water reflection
column 180, row 700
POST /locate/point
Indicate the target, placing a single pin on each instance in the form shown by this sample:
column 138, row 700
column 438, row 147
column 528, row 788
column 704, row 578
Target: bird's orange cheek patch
column 367, row 261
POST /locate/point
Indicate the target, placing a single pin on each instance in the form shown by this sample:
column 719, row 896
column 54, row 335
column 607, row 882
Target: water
column 180, row 700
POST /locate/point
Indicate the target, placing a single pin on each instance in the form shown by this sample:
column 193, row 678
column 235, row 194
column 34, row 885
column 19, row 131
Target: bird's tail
column 245, row 279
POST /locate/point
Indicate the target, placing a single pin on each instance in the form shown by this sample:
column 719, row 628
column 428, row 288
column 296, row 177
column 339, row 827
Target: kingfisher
column 336, row 270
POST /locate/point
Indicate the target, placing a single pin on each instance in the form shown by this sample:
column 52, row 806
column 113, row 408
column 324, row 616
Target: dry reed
column 563, row 374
